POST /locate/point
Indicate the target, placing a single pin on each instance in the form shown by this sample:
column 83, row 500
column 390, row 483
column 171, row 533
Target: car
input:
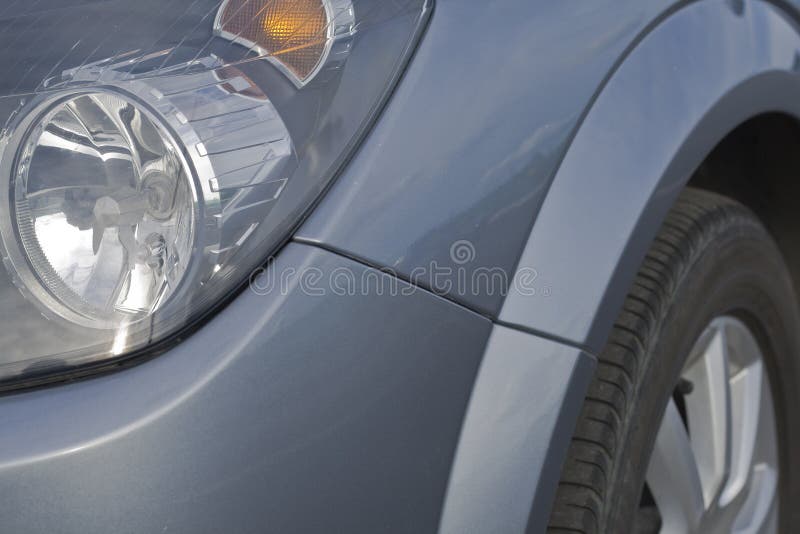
column 410, row 266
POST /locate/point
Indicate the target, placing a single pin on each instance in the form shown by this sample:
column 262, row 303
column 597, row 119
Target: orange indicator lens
column 294, row 32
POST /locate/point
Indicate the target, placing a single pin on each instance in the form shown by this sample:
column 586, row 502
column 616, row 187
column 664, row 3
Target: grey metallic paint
column 286, row 413
column 471, row 139
column 691, row 73
column 675, row 97
column 526, row 398
column 443, row 165
column 345, row 413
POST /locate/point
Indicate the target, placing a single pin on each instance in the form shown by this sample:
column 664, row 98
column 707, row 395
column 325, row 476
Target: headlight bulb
column 104, row 210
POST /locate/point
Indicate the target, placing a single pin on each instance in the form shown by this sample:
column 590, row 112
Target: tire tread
column 580, row 504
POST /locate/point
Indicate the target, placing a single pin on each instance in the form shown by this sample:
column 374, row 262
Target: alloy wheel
column 714, row 467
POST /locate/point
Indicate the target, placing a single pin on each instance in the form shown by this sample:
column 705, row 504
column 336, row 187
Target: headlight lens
column 145, row 173
column 104, row 211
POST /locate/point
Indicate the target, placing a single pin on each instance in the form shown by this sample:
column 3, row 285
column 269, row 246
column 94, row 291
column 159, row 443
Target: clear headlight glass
column 145, row 172
column 103, row 212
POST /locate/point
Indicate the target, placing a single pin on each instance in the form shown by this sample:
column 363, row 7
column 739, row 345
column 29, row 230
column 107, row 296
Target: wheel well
column 758, row 164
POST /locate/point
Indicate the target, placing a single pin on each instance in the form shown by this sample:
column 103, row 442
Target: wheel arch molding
column 704, row 70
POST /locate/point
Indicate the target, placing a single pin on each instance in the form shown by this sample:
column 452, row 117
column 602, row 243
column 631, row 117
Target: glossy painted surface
column 526, row 399
column 472, row 137
column 308, row 413
column 288, row 413
column 673, row 99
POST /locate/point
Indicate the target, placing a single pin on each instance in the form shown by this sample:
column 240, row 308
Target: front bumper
column 292, row 412
column 347, row 401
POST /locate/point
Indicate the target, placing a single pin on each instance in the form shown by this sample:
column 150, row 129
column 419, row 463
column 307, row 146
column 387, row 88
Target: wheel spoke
column 673, row 476
column 751, row 494
column 746, row 391
column 714, row 467
column 757, row 513
column 709, row 412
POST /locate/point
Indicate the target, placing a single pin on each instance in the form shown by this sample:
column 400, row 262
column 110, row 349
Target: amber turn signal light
column 295, row 34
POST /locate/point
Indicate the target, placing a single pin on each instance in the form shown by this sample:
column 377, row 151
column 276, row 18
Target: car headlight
column 145, row 173
column 102, row 211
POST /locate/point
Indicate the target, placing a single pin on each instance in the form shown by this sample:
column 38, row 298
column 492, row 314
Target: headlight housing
column 145, row 174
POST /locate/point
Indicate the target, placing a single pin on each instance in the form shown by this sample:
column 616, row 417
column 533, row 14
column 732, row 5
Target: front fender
column 465, row 150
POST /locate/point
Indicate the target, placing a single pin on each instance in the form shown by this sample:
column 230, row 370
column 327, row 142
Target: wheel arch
column 758, row 164
column 707, row 69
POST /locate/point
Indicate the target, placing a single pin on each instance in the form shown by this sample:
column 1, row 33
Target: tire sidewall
column 738, row 272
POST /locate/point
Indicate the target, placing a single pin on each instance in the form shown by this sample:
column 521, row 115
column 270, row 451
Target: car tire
column 712, row 258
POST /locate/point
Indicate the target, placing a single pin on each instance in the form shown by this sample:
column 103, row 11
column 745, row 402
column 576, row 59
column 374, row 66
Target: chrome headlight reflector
column 143, row 178
column 102, row 212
